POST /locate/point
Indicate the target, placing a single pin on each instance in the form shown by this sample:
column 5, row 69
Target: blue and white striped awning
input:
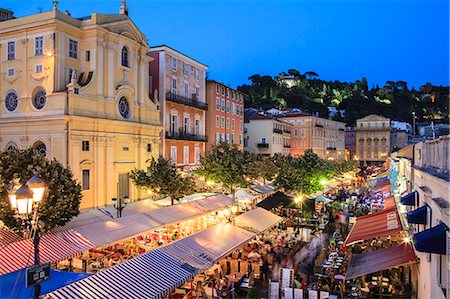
column 151, row 275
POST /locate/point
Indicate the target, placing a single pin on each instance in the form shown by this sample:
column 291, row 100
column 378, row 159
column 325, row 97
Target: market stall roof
column 389, row 203
column 432, row 240
column 382, row 184
column 381, row 223
column 150, row 275
column 418, row 216
column 322, row 198
column 371, row 262
column 214, row 202
column 263, row 189
column 84, row 218
column 409, row 199
column 195, row 196
column 12, row 285
column 241, row 193
column 53, row 247
column 203, row 249
column 257, row 220
column 276, row 199
column 7, row 237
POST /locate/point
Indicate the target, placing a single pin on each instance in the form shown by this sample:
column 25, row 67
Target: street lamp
column 120, row 204
column 24, row 199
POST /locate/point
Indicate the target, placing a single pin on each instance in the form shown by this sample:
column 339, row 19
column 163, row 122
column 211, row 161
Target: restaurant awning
column 381, row 223
column 150, row 275
column 409, row 199
column 257, row 220
column 53, row 247
column 84, row 218
column 418, row 216
column 371, row 262
column 215, row 202
column 195, row 196
column 243, row 196
column 8, row 237
column 432, row 240
column 203, row 249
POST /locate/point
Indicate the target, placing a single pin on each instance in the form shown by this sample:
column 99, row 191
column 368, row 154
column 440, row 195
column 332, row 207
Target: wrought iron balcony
column 186, row 136
column 186, row 101
column 263, row 145
column 319, row 125
column 331, row 148
column 286, row 145
column 279, row 131
column 287, row 131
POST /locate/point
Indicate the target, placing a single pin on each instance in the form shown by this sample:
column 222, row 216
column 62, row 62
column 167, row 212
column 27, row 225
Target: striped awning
column 215, row 202
column 257, row 220
column 205, row 248
column 84, row 218
column 7, row 237
column 53, row 247
column 151, row 275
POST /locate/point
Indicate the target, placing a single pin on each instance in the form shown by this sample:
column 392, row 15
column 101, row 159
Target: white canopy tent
column 243, row 196
column 257, row 220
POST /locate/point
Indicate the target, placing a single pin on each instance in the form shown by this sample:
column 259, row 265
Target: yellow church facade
column 77, row 89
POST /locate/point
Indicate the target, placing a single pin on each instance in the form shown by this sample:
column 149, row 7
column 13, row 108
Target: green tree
column 163, row 179
column 227, row 165
column 62, row 200
column 265, row 169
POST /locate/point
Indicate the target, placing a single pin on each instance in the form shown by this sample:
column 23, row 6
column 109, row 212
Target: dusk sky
column 340, row 40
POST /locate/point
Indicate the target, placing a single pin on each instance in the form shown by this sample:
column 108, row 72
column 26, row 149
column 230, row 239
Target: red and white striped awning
column 7, row 237
column 53, row 247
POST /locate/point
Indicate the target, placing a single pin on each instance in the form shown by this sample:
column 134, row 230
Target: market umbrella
column 322, row 198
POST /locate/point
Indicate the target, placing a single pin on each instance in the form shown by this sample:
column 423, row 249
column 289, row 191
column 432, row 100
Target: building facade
column 225, row 116
column 76, row 90
column 423, row 168
column 178, row 84
column 266, row 136
column 350, row 142
column 325, row 137
column 373, row 138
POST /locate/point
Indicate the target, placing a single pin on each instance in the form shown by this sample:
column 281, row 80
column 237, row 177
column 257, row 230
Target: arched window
column 11, row 146
column 125, row 56
column 41, row 148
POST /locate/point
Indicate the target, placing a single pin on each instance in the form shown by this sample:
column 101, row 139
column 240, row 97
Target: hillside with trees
column 313, row 95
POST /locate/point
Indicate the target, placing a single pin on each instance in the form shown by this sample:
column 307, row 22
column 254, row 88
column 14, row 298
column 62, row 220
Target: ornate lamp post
column 24, row 200
column 120, row 204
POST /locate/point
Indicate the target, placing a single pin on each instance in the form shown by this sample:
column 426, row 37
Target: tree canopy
column 311, row 94
column 225, row 164
column 63, row 196
column 162, row 178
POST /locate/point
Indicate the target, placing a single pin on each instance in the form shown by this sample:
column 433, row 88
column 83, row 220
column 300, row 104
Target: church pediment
column 124, row 26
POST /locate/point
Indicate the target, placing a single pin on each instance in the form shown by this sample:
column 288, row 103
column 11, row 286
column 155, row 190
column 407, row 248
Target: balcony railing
column 263, row 145
column 186, row 101
column 287, row 146
column 319, row 126
column 330, row 148
column 186, row 136
column 279, row 131
column 287, row 131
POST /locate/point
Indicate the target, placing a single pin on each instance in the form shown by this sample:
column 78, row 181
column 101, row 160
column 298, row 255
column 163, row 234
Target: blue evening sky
column 340, row 40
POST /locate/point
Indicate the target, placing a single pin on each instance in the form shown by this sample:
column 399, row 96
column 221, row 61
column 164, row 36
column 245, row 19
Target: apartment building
column 373, row 136
column 178, row 83
column 350, row 142
column 325, row 137
column 75, row 89
column 225, row 116
column 267, row 136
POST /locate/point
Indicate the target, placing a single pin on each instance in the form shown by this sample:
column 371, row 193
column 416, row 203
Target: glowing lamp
column 234, row 209
column 24, row 199
column 298, row 199
column 37, row 185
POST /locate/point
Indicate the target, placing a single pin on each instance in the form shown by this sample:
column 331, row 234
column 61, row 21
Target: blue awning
column 12, row 285
column 418, row 216
column 433, row 240
column 409, row 199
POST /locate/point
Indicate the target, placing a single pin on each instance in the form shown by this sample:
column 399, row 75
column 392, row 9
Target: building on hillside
column 431, row 131
column 6, row 14
column 373, row 138
column 422, row 177
column 76, row 90
column 178, row 82
column 266, row 136
column 225, row 116
column 290, row 80
column 350, row 142
column 325, row 137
